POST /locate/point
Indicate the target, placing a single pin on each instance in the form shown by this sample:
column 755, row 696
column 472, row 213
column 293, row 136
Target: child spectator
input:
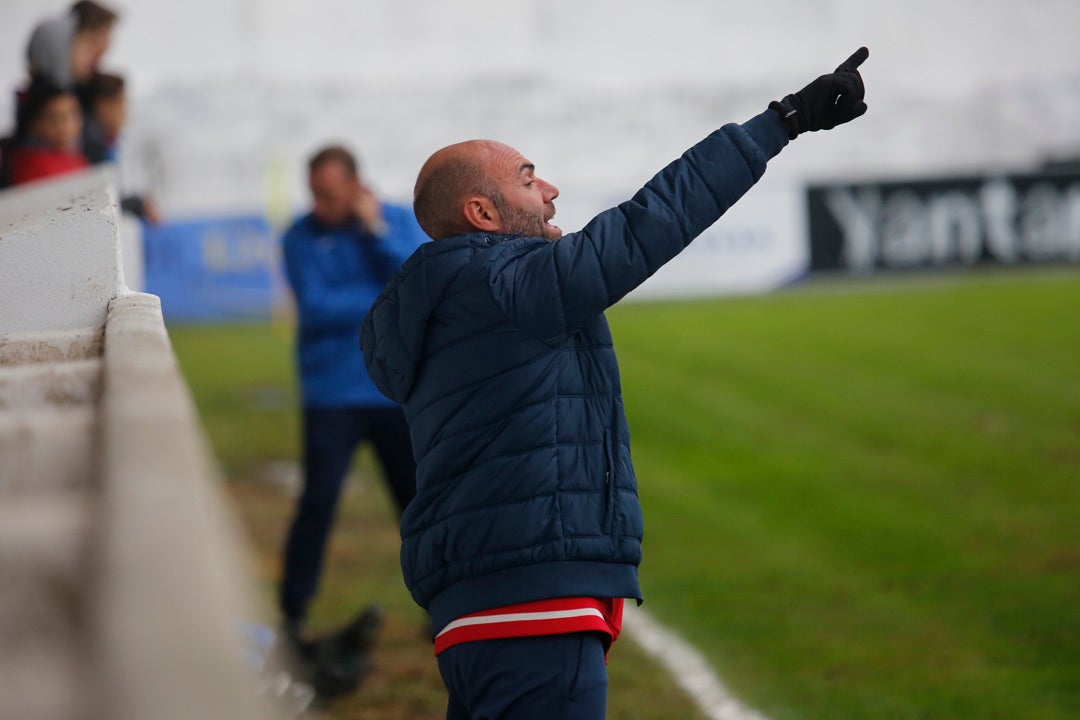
column 104, row 100
column 63, row 51
column 47, row 135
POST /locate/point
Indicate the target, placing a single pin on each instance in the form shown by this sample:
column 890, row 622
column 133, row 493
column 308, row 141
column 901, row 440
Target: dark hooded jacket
column 498, row 350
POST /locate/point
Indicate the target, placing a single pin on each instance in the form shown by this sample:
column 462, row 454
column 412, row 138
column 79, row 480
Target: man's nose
column 550, row 192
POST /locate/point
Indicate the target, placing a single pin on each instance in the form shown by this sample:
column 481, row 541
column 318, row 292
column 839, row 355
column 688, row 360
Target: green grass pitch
column 862, row 499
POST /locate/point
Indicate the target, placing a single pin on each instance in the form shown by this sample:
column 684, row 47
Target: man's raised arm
column 588, row 271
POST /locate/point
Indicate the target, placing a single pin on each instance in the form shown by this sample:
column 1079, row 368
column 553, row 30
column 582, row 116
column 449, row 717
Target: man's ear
column 480, row 214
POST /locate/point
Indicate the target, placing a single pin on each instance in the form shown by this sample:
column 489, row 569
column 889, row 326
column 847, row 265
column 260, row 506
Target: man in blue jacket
column 337, row 259
column 525, row 534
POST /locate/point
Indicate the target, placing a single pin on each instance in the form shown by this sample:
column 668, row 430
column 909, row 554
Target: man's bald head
column 446, row 181
column 483, row 186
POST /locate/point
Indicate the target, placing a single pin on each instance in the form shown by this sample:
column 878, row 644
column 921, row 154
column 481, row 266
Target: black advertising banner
column 1004, row 219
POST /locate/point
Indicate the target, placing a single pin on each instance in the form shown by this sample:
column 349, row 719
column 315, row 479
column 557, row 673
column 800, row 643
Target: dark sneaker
column 343, row 658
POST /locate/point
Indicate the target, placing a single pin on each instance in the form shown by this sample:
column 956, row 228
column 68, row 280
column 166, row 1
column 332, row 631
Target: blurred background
column 859, row 473
column 228, row 98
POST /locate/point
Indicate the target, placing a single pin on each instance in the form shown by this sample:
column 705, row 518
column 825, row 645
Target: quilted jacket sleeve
column 552, row 288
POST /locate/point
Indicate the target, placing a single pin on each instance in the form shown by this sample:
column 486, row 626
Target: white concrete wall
column 59, row 254
column 173, row 586
column 123, row 575
column 132, row 255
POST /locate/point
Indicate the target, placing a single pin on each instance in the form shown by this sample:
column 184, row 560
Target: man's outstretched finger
column 857, row 58
column 851, row 84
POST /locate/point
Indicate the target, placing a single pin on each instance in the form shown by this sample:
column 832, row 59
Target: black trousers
column 331, row 436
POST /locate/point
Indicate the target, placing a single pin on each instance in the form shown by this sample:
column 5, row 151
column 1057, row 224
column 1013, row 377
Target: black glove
column 829, row 101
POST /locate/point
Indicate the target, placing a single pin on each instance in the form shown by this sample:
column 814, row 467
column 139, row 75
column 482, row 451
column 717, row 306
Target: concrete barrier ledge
column 18, row 349
column 172, row 589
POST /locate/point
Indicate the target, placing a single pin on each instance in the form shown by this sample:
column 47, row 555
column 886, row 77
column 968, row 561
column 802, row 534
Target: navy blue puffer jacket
column 499, row 352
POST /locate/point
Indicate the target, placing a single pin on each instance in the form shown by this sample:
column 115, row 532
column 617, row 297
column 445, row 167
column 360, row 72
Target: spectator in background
column 47, row 134
column 337, row 259
column 68, row 48
column 49, row 53
column 93, row 33
column 63, row 51
column 104, row 99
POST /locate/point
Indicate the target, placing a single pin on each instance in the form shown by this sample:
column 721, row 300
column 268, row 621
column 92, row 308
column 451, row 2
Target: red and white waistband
column 542, row 617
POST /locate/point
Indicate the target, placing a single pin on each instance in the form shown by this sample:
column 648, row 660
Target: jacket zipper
column 609, row 483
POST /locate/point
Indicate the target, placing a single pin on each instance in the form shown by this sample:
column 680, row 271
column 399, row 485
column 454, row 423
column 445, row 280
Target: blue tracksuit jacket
column 335, row 275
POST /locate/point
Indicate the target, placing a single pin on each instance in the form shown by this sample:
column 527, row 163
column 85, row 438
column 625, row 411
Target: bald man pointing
column 525, row 534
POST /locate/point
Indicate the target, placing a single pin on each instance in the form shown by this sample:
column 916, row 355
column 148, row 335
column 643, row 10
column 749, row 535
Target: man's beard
column 517, row 221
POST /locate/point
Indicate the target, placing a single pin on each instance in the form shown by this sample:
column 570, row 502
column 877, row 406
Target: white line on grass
column 688, row 666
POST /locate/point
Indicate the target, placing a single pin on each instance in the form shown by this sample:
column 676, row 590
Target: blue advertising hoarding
column 214, row 269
